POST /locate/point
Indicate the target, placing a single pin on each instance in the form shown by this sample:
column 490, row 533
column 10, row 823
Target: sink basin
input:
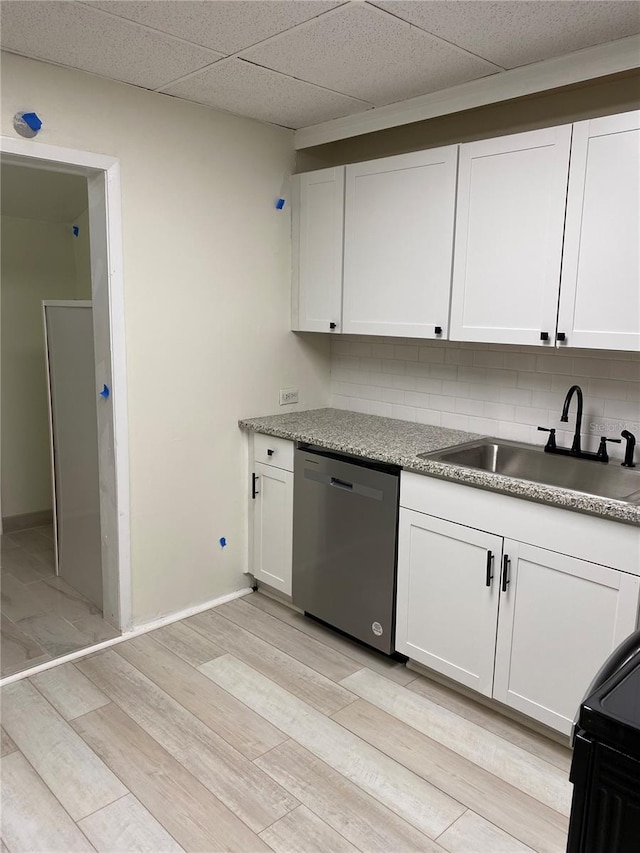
column 527, row 462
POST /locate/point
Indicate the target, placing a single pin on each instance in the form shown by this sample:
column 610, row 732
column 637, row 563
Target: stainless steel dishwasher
column 345, row 524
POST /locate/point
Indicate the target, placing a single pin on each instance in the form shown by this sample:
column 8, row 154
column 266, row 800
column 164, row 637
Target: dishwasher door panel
column 344, row 546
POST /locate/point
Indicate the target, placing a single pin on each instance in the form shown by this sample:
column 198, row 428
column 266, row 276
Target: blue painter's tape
column 223, row 542
column 280, row 204
column 32, row 120
column 76, row 230
column 105, row 391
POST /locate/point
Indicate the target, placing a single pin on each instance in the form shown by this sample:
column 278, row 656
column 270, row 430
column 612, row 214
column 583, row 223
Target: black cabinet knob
column 332, row 325
column 544, row 336
column 561, row 336
column 438, row 330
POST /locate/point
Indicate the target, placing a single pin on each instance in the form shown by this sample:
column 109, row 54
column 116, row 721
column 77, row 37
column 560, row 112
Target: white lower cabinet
column 559, row 620
column 519, row 623
column 272, row 526
column 447, row 598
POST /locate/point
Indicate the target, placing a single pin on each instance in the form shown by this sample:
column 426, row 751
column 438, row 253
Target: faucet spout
column 577, row 390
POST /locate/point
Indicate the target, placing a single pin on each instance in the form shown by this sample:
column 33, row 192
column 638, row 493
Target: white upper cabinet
column 508, row 243
column 399, row 215
column 317, row 233
column 600, row 292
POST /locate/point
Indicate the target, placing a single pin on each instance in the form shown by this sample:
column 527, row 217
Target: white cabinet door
column 399, row 215
column 600, row 290
column 560, row 618
column 273, row 527
column 508, row 244
column 317, row 232
column 447, row 599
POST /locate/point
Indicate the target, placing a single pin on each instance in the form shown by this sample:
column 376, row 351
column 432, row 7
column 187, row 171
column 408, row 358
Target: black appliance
column 605, row 769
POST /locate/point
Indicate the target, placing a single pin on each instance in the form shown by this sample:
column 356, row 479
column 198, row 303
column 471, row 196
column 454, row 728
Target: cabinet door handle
column 505, row 572
column 489, row 567
column 333, row 325
column 438, row 330
column 561, row 336
column 544, row 336
column 254, row 491
column 270, row 452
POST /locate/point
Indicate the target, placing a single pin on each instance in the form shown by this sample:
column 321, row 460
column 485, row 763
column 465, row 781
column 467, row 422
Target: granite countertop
column 399, row 442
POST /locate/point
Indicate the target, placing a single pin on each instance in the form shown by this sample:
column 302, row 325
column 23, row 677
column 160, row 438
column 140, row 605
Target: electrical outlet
column 288, row 395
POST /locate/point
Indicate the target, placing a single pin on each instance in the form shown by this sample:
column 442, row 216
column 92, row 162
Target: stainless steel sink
column 527, row 462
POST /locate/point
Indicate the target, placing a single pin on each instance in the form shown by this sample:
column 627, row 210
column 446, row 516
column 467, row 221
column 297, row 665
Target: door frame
column 105, row 225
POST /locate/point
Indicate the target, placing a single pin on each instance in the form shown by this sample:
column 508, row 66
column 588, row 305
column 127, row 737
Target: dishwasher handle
column 341, row 484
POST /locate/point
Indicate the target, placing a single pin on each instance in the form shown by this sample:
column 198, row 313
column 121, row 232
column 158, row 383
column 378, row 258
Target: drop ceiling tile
column 363, row 52
column 516, row 32
column 224, row 25
column 249, row 90
column 73, row 35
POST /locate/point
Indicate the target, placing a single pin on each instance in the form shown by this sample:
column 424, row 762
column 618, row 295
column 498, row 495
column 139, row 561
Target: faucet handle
column 551, row 441
column 602, row 450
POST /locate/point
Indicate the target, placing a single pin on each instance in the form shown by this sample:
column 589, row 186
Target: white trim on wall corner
column 103, row 186
column 129, row 635
column 588, row 64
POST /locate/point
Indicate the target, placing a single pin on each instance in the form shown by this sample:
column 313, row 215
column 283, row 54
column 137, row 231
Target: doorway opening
column 63, row 440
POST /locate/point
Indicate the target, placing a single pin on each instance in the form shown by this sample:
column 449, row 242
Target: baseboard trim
column 144, row 628
column 26, row 520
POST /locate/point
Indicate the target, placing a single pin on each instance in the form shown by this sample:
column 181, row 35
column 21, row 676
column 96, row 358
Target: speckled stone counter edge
column 398, row 443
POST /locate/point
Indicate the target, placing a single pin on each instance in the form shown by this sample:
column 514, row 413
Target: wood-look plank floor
column 43, row 617
column 250, row 728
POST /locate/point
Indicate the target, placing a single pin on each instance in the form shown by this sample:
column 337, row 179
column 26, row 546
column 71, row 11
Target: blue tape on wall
column 32, row 120
column 280, row 204
column 223, row 542
column 76, row 230
column 105, row 391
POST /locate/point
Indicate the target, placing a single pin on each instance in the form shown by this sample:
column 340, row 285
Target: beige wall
column 37, row 263
column 605, row 96
column 207, row 294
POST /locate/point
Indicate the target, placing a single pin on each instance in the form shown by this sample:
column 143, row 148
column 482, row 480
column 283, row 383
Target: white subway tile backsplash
column 625, row 370
column 382, row 350
column 391, row 395
column 357, row 405
column 442, row 404
column 446, row 372
column 429, row 386
column 506, row 391
column 484, row 391
column 610, row 389
column 452, row 421
column 404, row 413
column 385, row 410
column 406, row 353
column 622, row 409
column 431, row 355
column 486, row 426
column 458, row 356
column 417, row 399
column 488, row 358
column 516, row 396
column 466, row 406
column 535, row 381
column 428, row 416
column 531, row 416
column 455, row 389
